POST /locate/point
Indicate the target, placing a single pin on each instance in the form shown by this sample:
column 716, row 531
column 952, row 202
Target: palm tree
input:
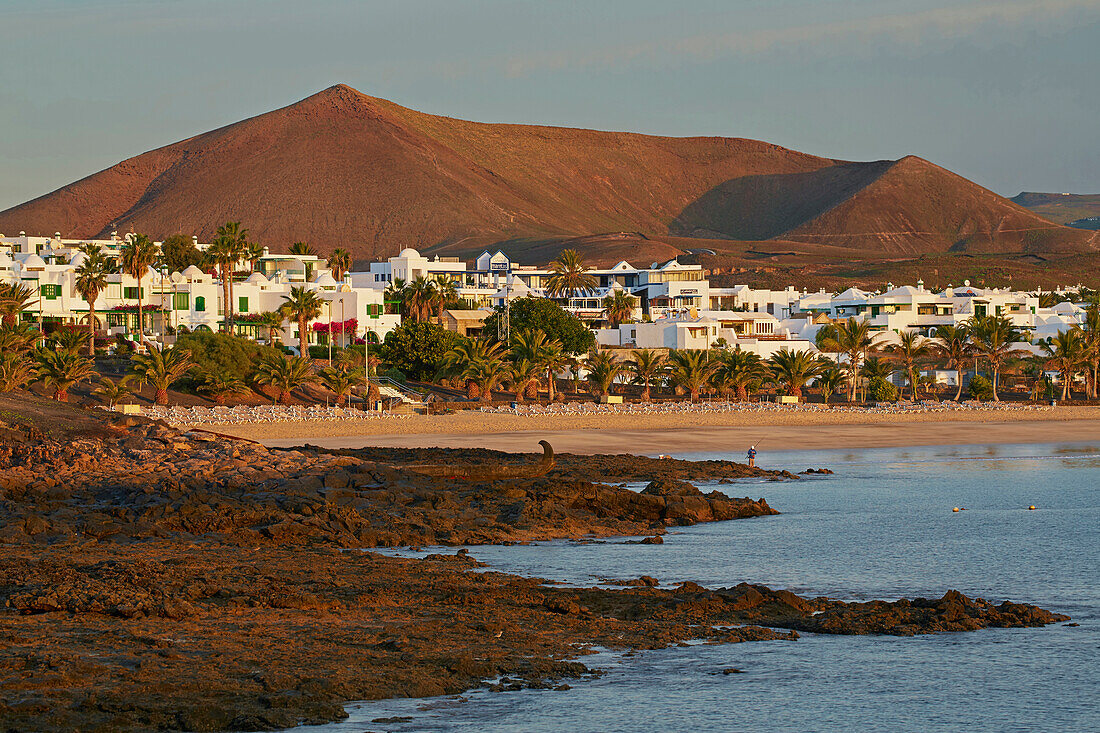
column 341, row 380
column 851, row 338
column 15, row 370
column 253, row 251
column 285, row 373
column 18, row 338
column 543, row 352
column 570, row 275
column 161, row 368
column 739, row 371
column 792, row 369
column 444, row 295
column 61, row 370
column 691, row 369
column 1066, row 354
column 418, row 298
column 619, row 307
column 302, row 306
column 602, row 371
column 67, row 340
column 395, row 294
column 487, row 373
column 1090, row 335
column 458, row 361
column 91, row 280
column 648, row 368
column 273, row 322
column 953, row 345
column 994, row 339
column 137, row 256
column 220, row 385
column 340, row 263
column 303, row 249
column 830, row 381
column 525, row 374
column 14, row 299
column 113, row 391
column 228, row 248
column 910, row 348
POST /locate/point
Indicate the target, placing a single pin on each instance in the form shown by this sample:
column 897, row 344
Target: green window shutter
column 133, row 293
column 181, row 301
column 200, row 304
column 51, row 291
column 242, row 304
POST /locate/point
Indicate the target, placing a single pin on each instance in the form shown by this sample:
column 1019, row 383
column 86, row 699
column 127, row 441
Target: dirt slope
column 341, row 168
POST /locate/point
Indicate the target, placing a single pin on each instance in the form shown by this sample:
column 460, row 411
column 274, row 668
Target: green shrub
column 395, row 374
column 417, row 349
column 880, row 390
column 221, row 354
column 980, row 388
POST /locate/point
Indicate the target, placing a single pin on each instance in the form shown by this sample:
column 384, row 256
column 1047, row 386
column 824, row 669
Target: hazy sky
column 1005, row 92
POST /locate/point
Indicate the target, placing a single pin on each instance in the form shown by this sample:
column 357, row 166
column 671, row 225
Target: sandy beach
column 680, row 433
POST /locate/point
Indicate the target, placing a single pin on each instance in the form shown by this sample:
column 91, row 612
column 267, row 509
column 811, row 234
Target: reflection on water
column 882, row 527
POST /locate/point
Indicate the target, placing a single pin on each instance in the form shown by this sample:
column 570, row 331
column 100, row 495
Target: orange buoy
column 1031, row 508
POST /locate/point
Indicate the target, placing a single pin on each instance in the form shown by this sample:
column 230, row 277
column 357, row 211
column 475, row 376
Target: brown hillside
column 343, row 169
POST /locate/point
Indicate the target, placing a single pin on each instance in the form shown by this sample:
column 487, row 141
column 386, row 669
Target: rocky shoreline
column 154, row 579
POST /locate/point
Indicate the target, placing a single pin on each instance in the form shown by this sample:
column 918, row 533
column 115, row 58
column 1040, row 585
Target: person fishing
column 752, row 456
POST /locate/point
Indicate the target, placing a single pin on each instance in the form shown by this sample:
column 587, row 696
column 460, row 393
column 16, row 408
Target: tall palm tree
column 273, row 322
column 227, row 249
column 906, row 353
column 444, row 295
column 691, row 369
column 61, row 370
column 302, row 306
column 1066, row 353
column 253, row 251
column 137, row 256
column 418, row 298
column 91, row 280
column 340, row 263
column 341, row 380
column 619, row 307
column 284, row 373
column 792, row 369
column 851, row 338
column 1090, row 335
column 739, row 371
column 14, row 299
column 570, row 275
column 16, row 369
column 953, row 345
column 995, row 339
column 161, row 368
column 602, row 371
column 649, row 368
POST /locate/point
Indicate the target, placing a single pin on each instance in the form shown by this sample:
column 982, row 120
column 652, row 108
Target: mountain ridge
column 341, row 168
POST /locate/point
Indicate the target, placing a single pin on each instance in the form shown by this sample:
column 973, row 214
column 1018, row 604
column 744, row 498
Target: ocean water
column 881, row 527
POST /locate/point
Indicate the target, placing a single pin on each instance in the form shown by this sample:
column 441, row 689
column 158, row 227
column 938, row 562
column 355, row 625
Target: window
column 181, row 301
column 200, row 304
column 50, row 291
column 133, row 293
column 242, row 304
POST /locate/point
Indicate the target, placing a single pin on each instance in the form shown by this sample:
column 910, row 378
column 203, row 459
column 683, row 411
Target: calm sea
column 882, row 527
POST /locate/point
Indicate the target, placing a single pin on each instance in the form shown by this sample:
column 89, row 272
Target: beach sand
column 683, row 433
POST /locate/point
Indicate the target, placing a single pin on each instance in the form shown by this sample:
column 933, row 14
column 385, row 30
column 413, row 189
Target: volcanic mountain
column 341, row 168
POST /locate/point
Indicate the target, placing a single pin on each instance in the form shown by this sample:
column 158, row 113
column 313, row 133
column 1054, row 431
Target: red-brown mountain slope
column 340, row 168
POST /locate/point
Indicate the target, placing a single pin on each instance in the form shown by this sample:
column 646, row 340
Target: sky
column 1004, row 92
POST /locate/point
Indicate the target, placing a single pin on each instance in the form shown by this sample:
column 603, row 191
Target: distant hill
column 341, row 168
column 1077, row 210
